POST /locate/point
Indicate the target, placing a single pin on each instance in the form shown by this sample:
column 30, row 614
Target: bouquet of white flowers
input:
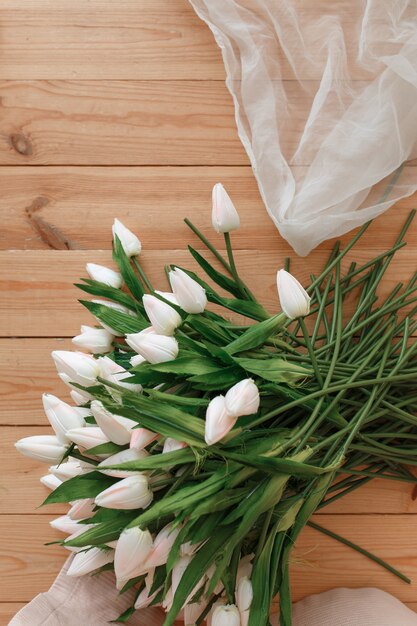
column 200, row 444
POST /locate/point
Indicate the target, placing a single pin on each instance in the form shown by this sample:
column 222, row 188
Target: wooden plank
column 127, row 40
column 118, row 123
column 9, row 610
column 74, row 207
column 28, row 567
column 39, row 299
column 23, row 493
column 320, row 563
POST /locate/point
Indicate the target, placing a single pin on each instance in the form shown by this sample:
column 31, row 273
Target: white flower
column 137, row 360
column 115, row 373
column 193, row 611
column 224, row 215
column 132, row 549
column 124, row 456
column 142, row 437
column 129, row 493
column 295, row 301
column 104, row 275
column 153, row 347
column 95, row 340
column 243, row 398
column 87, row 437
column 171, row 445
column 116, row 427
column 190, row 295
column 87, row 561
column 82, row 509
column 130, row 243
column 67, row 525
column 61, row 416
column 227, row 615
column 163, row 317
column 144, row 599
column 50, row 481
column 244, row 594
column 79, row 367
column 67, row 470
column 45, row 448
column 218, row 421
column 162, row 546
column 78, row 396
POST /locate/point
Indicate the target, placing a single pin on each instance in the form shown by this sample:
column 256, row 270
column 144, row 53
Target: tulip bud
column 86, row 397
column 67, row 525
column 130, row 243
column 65, row 471
column 142, row 437
column 154, row 348
column 295, row 301
column 218, row 421
column 124, row 456
column 115, row 373
column 78, row 397
column 129, row 493
column 87, row 437
column 245, row 566
column 87, row 561
column 82, row 509
column 162, row 546
column 163, row 317
column 244, row 594
column 116, row 427
column 193, row 611
column 144, row 599
column 45, row 448
column 81, row 368
column 170, row 445
column 137, row 360
column 95, row 340
column 132, row 550
column 243, row 398
column 104, row 275
column 227, row 615
column 224, row 215
column 190, row 295
column 61, row 416
column 115, row 306
column 50, row 481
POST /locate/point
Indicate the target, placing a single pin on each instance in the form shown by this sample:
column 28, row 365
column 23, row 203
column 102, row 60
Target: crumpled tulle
column 325, row 95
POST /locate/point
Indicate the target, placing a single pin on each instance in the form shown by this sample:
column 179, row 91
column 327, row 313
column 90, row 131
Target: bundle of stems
column 337, row 409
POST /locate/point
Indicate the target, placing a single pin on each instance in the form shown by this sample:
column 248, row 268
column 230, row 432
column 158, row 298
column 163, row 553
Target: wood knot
column 21, row 144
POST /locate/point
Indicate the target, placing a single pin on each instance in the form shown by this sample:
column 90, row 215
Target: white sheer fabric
column 325, row 93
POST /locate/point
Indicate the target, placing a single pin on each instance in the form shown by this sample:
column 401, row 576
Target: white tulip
column 116, row 427
column 65, row 471
column 87, row 561
column 153, row 347
column 244, row 594
column 82, row 509
column 124, row 456
column 87, row 437
column 144, row 599
column 190, row 295
column 129, row 493
column 78, row 396
column 245, row 566
column 295, row 301
column 218, row 421
column 142, row 437
column 61, row 416
column 130, row 243
column 137, row 360
column 104, row 275
column 224, row 215
column 171, row 445
column 193, row 611
column 45, row 448
column 115, row 306
column 67, row 525
column 162, row 546
column 95, row 340
column 243, row 398
column 79, row 367
column 115, row 373
column 226, row 615
column 50, row 481
column 132, row 549
column 163, row 317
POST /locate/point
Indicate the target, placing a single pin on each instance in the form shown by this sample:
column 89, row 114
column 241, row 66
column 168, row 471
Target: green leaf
column 171, row 398
column 129, row 276
column 257, row 334
column 80, row 487
column 186, row 366
column 274, row 369
column 210, row 330
column 101, row 290
column 222, row 280
column 121, row 322
column 158, row 461
column 105, row 448
column 223, row 378
column 101, row 534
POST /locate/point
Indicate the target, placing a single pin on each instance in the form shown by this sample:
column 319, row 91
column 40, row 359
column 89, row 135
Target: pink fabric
column 93, row 600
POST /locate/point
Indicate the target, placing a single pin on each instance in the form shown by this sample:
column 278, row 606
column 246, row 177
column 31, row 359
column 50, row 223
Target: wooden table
column 120, row 109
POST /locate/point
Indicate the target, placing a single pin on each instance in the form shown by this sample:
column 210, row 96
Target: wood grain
column 27, row 567
column 127, row 40
column 39, row 299
column 73, row 207
column 9, row 610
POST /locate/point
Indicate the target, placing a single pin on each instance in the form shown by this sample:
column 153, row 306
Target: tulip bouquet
column 200, row 443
